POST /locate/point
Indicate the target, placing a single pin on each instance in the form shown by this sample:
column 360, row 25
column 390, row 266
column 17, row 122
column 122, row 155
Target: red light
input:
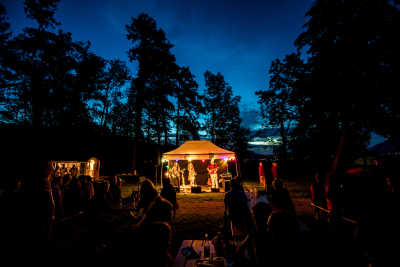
column 203, row 160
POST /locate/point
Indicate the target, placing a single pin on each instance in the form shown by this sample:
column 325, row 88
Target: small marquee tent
column 198, row 150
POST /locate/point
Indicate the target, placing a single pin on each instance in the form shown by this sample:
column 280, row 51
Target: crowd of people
column 32, row 207
column 259, row 233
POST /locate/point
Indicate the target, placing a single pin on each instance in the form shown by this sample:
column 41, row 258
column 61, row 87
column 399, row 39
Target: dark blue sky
column 237, row 38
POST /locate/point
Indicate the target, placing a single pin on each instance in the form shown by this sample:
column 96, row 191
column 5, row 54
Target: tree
column 352, row 59
column 223, row 123
column 154, row 82
column 115, row 77
column 188, row 101
column 6, row 111
column 279, row 105
column 53, row 78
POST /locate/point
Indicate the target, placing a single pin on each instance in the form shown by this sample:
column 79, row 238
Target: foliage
column 189, row 102
column 348, row 81
column 280, row 104
column 223, row 123
column 154, row 83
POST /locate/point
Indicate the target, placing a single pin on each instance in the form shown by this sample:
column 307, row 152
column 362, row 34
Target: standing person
column 64, row 171
column 192, row 174
column 261, row 174
column 58, row 195
column 274, row 171
column 213, row 171
column 175, row 174
column 47, row 209
column 74, row 171
column 115, row 188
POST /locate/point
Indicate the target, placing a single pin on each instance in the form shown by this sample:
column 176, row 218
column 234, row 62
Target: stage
column 204, row 189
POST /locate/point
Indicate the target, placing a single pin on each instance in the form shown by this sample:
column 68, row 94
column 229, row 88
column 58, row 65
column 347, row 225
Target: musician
column 213, row 171
column 192, row 174
column 174, row 174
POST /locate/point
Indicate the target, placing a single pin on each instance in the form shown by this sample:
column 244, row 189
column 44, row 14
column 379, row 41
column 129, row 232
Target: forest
column 341, row 81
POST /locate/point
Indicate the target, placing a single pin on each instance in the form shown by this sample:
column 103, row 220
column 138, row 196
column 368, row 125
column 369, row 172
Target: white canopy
column 198, row 150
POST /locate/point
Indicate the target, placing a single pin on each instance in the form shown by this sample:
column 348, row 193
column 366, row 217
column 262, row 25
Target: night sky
column 237, row 38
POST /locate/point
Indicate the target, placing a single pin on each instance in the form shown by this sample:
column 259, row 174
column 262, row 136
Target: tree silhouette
column 115, row 77
column 279, row 105
column 7, row 112
column 53, row 78
column 223, row 122
column 188, row 105
column 155, row 77
column 347, row 86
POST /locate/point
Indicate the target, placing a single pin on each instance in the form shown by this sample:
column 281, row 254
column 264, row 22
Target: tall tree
column 352, row 58
column 223, row 123
column 154, row 82
column 188, row 105
column 279, row 105
column 6, row 113
column 115, row 78
column 54, row 77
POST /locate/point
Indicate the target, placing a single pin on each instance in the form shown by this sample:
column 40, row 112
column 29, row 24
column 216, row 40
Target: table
column 197, row 246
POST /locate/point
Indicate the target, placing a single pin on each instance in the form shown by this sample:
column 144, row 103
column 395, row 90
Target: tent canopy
column 198, row 150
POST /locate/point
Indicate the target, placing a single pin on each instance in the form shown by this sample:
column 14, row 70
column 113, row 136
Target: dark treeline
column 48, row 80
column 341, row 81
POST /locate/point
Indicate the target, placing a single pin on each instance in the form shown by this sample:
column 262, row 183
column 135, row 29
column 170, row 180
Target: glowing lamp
column 202, row 160
column 176, row 160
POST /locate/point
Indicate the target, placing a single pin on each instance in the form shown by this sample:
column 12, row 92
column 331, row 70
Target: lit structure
column 201, row 150
column 91, row 167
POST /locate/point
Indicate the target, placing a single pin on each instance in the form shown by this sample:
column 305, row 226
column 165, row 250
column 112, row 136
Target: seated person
column 152, row 207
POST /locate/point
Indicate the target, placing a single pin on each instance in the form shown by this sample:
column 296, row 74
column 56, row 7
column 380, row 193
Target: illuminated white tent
column 198, row 150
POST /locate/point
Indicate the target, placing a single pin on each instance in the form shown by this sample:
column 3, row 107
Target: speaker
column 196, row 189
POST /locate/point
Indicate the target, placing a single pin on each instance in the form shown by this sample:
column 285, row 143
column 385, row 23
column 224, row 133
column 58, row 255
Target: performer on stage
column 213, row 171
column 174, row 174
column 192, row 174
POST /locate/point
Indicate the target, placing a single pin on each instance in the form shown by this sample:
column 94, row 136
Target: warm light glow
column 166, row 174
column 91, row 164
